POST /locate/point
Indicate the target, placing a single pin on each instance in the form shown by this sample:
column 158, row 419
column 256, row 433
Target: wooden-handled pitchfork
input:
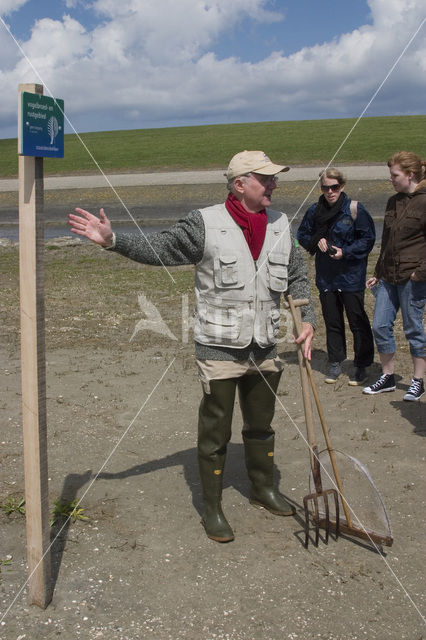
column 307, row 381
column 348, row 526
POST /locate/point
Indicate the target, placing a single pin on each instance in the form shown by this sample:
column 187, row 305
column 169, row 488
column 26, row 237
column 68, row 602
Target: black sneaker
column 335, row 373
column 415, row 390
column 358, row 377
column 386, row 382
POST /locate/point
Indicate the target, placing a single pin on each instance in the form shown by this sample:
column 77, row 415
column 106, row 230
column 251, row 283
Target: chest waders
column 257, row 400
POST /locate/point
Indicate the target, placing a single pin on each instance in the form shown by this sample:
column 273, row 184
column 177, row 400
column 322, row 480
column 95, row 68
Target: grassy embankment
column 308, row 142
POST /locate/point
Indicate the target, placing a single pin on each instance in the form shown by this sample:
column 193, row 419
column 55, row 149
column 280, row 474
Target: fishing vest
column 238, row 299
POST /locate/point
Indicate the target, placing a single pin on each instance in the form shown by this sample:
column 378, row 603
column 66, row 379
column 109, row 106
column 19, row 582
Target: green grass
column 13, row 505
column 64, row 509
column 307, row 142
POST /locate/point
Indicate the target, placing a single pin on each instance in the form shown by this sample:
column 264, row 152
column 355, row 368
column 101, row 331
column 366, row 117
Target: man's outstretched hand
column 90, row 226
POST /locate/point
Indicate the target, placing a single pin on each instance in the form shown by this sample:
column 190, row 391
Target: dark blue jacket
column 356, row 239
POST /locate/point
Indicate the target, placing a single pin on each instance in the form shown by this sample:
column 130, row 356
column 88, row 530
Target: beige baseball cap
column 252, row 161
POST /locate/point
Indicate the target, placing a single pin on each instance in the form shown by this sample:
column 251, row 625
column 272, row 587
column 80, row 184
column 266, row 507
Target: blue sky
column 156, row 63
column 249, row 41
column 326, row 20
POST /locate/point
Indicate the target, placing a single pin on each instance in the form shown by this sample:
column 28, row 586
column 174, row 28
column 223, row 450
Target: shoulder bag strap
column 354, row 209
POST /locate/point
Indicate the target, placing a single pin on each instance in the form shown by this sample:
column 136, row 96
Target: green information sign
column 41, row 126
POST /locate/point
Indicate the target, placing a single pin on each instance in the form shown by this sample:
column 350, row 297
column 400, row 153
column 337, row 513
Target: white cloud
column 153, row 63
column 57, row 45
column 8, row 6
column 170, row 32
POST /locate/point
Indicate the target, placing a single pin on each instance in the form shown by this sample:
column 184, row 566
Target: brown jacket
column 403, row 249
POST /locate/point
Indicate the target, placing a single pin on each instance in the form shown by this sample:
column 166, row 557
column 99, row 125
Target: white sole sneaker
column 369, row 392
column 382, row 385
column 408, row 397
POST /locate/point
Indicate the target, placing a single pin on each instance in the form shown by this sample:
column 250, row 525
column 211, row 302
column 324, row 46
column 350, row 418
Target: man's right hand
column 95, row 229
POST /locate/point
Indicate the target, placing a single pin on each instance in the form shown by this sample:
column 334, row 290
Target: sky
column 139, row 64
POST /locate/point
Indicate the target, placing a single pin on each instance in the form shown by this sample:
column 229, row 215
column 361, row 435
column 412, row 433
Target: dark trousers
column 333, row 303
column 257, row 403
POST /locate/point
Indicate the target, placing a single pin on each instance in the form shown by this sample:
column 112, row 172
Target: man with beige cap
column 245, row 258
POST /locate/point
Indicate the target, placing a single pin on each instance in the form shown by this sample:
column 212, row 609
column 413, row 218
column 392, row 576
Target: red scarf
column 253, row 224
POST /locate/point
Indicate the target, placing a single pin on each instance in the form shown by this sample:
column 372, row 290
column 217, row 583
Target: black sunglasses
column 333, row 187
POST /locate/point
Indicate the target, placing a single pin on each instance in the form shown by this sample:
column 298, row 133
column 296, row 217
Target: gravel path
column 356, row 172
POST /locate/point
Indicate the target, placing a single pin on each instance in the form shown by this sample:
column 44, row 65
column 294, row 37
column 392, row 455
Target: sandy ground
column 122, row 435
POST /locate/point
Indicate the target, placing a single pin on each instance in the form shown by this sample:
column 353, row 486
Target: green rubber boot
column 257, row 399
column 259, row 455
column 213, row 520
column 214, row 433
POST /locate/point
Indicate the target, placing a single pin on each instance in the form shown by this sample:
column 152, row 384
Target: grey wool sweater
column 183, row 243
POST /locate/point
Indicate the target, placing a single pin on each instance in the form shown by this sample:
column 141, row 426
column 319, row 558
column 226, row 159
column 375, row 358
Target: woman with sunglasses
column 340, row 233
column 400, row 273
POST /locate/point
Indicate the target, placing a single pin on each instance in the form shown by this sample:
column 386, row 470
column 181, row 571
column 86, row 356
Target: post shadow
column 59, row 529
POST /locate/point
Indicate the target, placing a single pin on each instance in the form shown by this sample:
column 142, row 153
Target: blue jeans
column 410, row 297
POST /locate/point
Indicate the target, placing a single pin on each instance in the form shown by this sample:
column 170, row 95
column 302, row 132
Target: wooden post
column 33, row 364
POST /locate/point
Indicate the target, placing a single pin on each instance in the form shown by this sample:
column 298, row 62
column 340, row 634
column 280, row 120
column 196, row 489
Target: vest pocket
column 226, row 272
column 273, row 324
column 276, row 272
column 219, row 324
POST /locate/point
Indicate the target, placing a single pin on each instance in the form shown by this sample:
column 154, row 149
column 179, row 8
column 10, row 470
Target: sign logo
column 52, row 128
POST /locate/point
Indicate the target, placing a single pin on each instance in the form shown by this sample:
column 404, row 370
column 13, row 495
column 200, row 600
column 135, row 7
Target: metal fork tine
column 323, row 522
column 305, row 504
column 327, row 517
column 316, row 518
column 337, row 509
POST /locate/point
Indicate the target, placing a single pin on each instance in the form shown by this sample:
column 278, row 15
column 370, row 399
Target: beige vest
column 238, row 299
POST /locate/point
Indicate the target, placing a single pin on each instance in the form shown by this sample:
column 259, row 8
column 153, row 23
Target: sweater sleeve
column 182, row 243
column 306, row 228
column 298, row 283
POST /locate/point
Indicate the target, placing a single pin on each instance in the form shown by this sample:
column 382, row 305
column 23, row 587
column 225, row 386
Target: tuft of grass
column 64, row 509
column 305, row 142
column 5, row 563
column 13, row 505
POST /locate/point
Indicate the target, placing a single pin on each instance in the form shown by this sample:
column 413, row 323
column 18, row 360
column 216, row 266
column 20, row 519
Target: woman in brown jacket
column 400, row 273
